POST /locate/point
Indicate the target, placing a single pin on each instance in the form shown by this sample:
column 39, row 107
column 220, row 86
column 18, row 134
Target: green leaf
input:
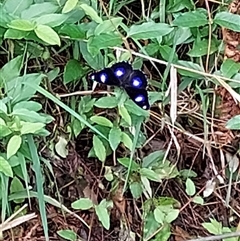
column 172, row 215
column 67, row 234
column 16, row 7
column 11, row 69
column 228, row 20
column 5, row 167
column 30, row 105
column 114, row 137
column 107, row 26
column 30, row 128
column 103, row 41
column 234, row 123
column 214, row 227
column 191, row 19
column 72, row 71
column 73, row 31
column 83, row 204
column 150, row 174
column 16, row 186
column 69, row 6
column 125, row 115
column 22, row 24
column 159, row 215
column 149, row 30
column 125, row 161
column 15, row 34
column 190, row 65
column 198, row 200
column 153, row 158
column 13, row 145
column 99, row 148
column 61, row 147
column 200, row 48
column 39, row 9
column 91, row 12
column 229, row 68
column 190, row 187
column 52, row 20
column 100, row 120
column 47, row 34
column 103, row 216
column 136, row 189
column 106, row 102
column 126, row 140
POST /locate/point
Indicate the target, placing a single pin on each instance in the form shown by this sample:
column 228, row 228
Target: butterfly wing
column 105, row 76
column 122, row 71
column 139, row 97
column 135, row 87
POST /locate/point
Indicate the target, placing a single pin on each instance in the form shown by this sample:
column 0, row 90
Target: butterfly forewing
column 105, row 76
column 122, row 71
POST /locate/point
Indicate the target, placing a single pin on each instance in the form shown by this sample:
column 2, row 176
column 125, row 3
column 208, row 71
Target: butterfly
column 121, row 74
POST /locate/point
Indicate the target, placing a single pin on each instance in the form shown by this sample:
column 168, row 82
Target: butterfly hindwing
column 105, row 76
column 136, row 79
column 139, row 97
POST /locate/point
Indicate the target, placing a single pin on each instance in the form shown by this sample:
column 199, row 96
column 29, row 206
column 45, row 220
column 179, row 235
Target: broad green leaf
column 159, row 215
column 52, row 19
column 30, row 105
column 125, row 161
column 16, row 7
column 91, row 12
column 200, row 48
column 103, row 216
column 213, row 227
column 39, row 9
column 73, row 71
column 11, row 70
column 17, row 91
column 136, row 189
column 13, row 145
column 172, row 215
column 198, row 200
column 106, row 102
column 67, row 234
column 16, row 186
column 22, row 24
column 61, row 147
column 99, row 148
column 234, row 123
column 100, row 120
column 125, row 115
column 15, row 34
column 102, row 41
column 69, row 6
column 149, row 30
column 147, row 186
column 126, row 140
column 47, row 34
column 228, row 20
column 108, row 25
column 190, row 65
column 229, row 68
column 83, row 204
column 190, row 187
column 153, row 158
column 191, row 19
column 114, row 137
column 5, row 167
column 29, row 127
column 73, row 31
column 150, row 174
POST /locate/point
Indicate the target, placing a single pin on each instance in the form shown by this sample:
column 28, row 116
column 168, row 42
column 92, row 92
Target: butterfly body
column 122, row 75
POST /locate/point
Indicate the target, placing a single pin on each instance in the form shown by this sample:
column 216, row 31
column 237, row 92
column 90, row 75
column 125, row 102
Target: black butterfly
column 122, row 75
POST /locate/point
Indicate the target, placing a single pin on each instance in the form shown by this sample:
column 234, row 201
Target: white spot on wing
column 136, row 83
column 139, row 98
column 144, row 107
column 103, row 78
